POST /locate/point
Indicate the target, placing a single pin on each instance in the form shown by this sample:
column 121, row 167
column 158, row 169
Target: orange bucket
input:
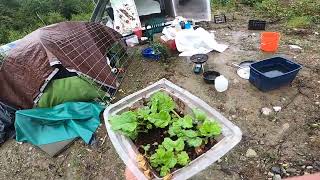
column 270, row 41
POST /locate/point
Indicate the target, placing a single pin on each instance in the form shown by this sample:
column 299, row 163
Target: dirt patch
column 288, row 139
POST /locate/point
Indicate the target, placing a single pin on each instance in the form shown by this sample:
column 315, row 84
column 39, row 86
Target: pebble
column 276, row 170
column 291, row 170
column 251, row 153
column 317, row 103
column 266, row 111
column 309, row 167
column 276, row 177
column 30, row 148
column 270, row 174
column 316, row 165
column 277, row 108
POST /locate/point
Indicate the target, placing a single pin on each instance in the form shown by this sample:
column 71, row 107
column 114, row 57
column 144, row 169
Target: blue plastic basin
column 273, row 73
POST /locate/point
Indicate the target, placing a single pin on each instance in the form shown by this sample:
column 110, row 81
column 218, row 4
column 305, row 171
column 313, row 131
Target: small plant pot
column 210, row 76
column 128, row 152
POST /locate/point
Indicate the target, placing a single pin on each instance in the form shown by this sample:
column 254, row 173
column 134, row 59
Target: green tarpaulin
column 66, row 121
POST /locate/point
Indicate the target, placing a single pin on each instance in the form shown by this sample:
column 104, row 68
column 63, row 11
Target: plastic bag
column 6, row 122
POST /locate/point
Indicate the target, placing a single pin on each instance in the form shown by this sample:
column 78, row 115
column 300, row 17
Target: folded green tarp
column 66, row 121
column 71, row 89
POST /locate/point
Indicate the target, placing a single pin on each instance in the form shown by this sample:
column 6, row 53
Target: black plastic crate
column 219, row 19
column 257, row 25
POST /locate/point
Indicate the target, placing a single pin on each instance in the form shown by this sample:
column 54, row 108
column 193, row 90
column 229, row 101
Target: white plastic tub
column 231, row 134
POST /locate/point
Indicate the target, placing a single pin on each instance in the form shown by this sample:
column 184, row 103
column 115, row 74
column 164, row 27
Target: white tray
column 231, row 134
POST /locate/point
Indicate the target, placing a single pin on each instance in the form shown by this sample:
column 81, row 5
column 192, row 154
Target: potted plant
column 165, row 132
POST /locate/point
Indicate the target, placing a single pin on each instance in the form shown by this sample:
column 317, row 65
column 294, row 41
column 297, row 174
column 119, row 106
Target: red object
column 270, row 41
column 138, row 32
column 306, row 177
column 172, row 45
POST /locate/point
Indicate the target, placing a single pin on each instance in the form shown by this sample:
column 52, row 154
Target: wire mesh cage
column 2, row 57
column 91, row 51
column 96, row 53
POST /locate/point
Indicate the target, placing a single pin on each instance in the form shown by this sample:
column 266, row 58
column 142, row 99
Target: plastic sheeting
column 6, row 122
column 199, row 41
column 63, row 122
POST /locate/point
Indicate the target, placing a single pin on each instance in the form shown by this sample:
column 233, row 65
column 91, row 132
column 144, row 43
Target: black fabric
column 7, row 116
column 63, row 72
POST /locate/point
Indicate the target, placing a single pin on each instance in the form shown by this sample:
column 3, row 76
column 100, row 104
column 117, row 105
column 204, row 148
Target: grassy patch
column 299, row 22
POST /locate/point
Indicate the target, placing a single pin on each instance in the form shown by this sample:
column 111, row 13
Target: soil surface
column 285, row 142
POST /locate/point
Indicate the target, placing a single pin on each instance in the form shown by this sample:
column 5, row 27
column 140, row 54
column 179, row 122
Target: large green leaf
column 210, row 128
column 162, row 102
column 160, row 119
column 183, row 158
column 186, row 121
column 194, row 142
column 170, row 145
column 143, row 113
column 125, row 123
column 199, row 114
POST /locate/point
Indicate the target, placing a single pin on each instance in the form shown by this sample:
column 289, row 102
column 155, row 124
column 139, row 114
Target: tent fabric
column 7, row 130
column 69, row 89
column 78, row 46
column 63, row 122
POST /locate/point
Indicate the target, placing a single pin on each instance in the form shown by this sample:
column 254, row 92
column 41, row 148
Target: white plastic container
column 221, row 83
column 231, row 134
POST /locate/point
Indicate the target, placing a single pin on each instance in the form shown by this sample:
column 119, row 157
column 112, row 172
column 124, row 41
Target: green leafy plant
column 199, row 115
column 189, row 131
column 161, row 119
column 160, row 48
column 168, row 155
column 127, row 123
column 160, row 101
column 210, row 128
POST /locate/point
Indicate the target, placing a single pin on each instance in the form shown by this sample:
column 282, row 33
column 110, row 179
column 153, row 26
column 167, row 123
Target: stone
column 295, row 48
column 30, row 148
column 316, row 165
column 277, row 108
column 270, row 174
column 309, row 167
column 317, row 103
column 266, row 111
column 276, row 170
column 251, row 153
column 291, row 170
column 276, row 177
